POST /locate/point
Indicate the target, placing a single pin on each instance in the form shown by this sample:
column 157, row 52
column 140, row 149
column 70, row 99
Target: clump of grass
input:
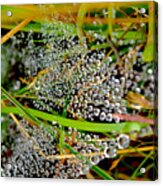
column 82, row 99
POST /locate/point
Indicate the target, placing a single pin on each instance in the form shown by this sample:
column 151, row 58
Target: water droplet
column 142, row 170
column 110, row 152
column 9, row 13
column 142, row 10
column 87, row 137
column 85, row 169
column 94, row 160
column 102, row 116
column 123, row 141
column 8, row 166
column 109, row 117
column 96, row 112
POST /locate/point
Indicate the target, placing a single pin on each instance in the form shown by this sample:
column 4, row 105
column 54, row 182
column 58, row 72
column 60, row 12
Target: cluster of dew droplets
column 94, row 84
column 91, row 148
column 29, row 145
column 26, row 159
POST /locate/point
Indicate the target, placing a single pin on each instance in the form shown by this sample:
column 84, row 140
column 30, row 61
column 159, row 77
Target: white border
column 50, row 182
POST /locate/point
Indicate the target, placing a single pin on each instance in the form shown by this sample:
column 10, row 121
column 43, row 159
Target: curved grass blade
column 124, row 127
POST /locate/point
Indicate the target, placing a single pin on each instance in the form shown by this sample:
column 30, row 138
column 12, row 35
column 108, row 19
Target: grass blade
column 141, row 165
column 103, row 174
column 21, row 110
column 125, row 127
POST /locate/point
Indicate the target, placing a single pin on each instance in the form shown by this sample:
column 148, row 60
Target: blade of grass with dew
column 125, row 127
column 37, row 27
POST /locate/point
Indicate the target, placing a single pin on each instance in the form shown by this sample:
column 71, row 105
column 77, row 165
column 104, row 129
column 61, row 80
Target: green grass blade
column 124, row 127
column 61, row 140
column 141, row 165
column 103, row 174
column 21, row 110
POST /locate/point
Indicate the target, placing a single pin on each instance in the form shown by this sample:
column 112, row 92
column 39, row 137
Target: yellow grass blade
column 16, row 29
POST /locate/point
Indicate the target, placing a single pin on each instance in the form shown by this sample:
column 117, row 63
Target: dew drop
column 94, row 160
column 110, row 152
column 123, row 141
